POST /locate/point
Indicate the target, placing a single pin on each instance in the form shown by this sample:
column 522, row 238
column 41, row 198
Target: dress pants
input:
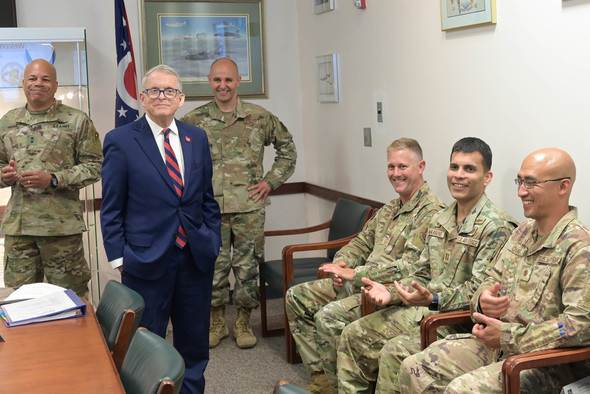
column 183, row 294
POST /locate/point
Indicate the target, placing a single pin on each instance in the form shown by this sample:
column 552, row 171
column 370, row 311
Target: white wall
column 520, row 85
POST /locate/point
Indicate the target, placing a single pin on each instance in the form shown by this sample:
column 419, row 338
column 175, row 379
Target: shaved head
column 547, row 200
column 553, row 163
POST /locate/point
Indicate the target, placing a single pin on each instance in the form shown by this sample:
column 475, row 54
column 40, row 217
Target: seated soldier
column 380, row 252
column 536, row 295
column 461, row 242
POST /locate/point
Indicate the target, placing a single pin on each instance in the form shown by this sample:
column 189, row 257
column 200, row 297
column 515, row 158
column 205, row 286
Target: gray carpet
column 232, row 370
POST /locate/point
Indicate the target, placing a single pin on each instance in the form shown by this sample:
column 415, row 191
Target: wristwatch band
column 434, row 304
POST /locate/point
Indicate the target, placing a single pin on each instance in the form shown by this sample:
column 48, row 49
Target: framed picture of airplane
column 327, row 74
column 190, row 35
column 463, row 13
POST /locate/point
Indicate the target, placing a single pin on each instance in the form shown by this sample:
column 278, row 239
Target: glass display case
column 65, row 48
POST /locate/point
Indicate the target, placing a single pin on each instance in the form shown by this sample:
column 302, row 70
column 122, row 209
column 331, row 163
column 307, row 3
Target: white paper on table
column 33, row 290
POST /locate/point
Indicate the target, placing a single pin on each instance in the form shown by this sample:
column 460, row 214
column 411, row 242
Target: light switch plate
column 367, row 136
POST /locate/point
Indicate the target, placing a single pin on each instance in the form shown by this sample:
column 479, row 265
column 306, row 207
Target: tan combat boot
column 245, row 338
column 217, row 329
column 319, row 384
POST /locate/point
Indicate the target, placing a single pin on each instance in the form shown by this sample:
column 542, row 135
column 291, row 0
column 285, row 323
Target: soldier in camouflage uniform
column 48, row 151
column 461, row 241
column 382, row 251
column 535, row 295
column 238, row 132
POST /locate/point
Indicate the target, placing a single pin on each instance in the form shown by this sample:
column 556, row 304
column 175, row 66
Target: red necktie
column 174, row 171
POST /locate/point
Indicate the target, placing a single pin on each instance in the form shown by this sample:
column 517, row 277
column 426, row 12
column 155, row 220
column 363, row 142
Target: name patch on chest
column 436, row 233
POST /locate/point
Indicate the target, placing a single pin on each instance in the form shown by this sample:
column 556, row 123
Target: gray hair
column 161, row 68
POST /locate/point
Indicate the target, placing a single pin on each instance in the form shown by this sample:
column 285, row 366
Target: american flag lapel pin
column 187, row 139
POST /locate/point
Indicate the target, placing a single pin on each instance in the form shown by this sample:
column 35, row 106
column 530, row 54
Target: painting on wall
column 320, row 6
column 327, row 74
column 463, row 13
column 190, row 35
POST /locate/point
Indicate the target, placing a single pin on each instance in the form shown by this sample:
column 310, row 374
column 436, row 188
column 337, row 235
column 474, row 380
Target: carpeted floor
column 232, row 370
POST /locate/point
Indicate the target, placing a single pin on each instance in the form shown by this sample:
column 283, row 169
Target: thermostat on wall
column 360, row 3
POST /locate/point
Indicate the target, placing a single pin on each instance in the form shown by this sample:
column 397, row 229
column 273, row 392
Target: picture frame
column 457, row 14
column 327, row 78
column 320, row 6
column 190, row 35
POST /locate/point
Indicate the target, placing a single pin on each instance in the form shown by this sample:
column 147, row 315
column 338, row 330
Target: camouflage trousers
column 461, row 363
column 361, row 342
column 242, row 237
column 396, row 350
column 27, row 259
column 318, row 312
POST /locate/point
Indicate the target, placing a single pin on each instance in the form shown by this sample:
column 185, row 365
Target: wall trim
column 304, row 187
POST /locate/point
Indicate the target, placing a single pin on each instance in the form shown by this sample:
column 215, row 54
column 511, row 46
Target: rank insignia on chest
column 31, row 139
column 526, row 274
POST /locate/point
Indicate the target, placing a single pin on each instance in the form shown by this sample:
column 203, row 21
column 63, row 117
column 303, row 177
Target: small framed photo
column 320, row 6
column 463, row 13
column 327, row 67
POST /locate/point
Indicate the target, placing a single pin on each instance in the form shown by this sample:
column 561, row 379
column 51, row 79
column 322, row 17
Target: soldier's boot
column 319, row 384
column 245, row 338
column 217, row 329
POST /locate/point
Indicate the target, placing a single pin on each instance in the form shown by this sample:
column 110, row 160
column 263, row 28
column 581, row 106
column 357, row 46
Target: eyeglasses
column 529, row 184
column 169, row 93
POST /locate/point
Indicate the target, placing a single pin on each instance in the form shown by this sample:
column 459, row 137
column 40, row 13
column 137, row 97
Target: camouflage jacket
column 60, row 141
column 454, row 261
column 548, row 284
column 394, row 236
column 237, row 144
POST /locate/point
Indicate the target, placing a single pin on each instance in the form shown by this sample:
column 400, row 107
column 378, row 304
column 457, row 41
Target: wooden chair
column 347, row 221
column 119, row 311
column 152, row 365
column 513, row 365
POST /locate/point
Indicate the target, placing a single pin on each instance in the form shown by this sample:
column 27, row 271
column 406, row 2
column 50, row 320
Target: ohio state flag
column 126, row 104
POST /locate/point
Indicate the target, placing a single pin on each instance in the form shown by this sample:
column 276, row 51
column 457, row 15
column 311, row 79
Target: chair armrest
column 367, row 306
column 322, row 274
column 430, row 323
column 303, row 230
column 122, row 340
column 513, row 365
column 288, row 251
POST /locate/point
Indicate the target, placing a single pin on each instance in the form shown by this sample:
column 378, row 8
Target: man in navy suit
column 160, row 220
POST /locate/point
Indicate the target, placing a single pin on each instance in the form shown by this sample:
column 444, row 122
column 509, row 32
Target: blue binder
column 37, row 311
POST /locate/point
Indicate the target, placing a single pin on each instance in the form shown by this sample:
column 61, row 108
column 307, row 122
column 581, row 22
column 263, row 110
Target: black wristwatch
column 54, row 182
column 434, row 304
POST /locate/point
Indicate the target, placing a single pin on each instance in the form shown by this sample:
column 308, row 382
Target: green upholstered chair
column 119, row 311
column 347, row 220
column 152, row 365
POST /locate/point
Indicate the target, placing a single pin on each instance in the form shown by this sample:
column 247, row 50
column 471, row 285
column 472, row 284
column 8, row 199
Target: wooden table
column 63, row 356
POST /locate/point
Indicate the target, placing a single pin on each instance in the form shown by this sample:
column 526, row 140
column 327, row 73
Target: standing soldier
column 238, row 132
column 48, row 151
